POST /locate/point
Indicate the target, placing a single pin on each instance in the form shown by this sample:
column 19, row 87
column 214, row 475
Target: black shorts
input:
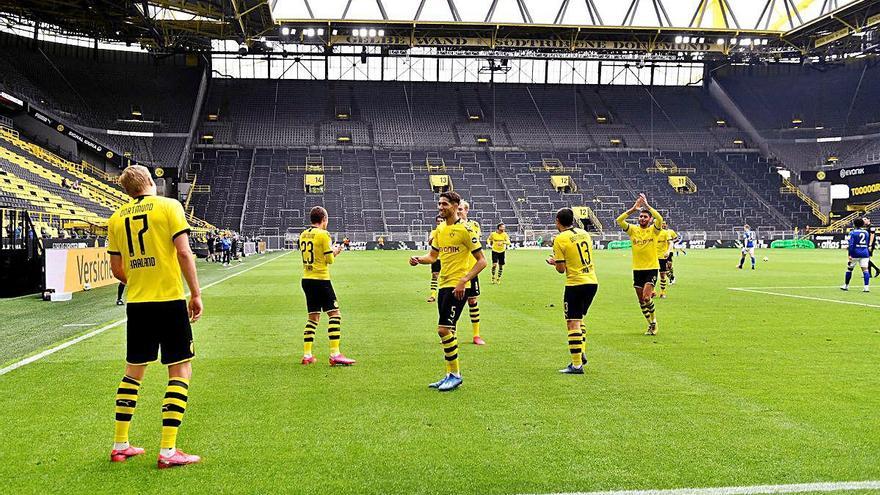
column 435, row 267
column 669, row 257
column 448, row 307
column 319, row 295
column 663, row 264
column 158, row 325
column 211, row 248
column 498, row 258
column 577, row 300
column 474, row 291
column 642, row 278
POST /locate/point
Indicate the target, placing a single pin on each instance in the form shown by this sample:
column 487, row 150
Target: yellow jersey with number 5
column 317, row 253
column 142, row 232
column 575, row 247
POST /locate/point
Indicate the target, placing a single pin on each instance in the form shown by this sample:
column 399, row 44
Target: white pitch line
column 792, row 287
column 64, row 345
column 748, row 490
column 794, row 296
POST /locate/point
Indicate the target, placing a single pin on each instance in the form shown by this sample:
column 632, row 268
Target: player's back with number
column 315, row 246
column 575, row 247
column 859, row 243
column 141, row 232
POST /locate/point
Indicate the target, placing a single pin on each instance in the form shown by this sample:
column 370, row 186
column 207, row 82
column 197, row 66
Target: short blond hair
column 135, row 180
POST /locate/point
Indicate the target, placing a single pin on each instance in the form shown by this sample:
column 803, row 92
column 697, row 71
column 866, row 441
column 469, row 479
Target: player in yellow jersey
column 644, row 255
column 148, row 243
column 474, row 292
column 573, row 256
column 318, row 253
column 435, row 266
column 664, row 256
column 454, row 245
column 498, row 241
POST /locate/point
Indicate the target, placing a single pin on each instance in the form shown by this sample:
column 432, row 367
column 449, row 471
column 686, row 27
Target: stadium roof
column 710, row 28
column 773, row 15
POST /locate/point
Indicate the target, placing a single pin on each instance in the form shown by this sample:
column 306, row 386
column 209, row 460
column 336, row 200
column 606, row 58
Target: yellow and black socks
column 334, row 332
column 450, row 350
column 576, row 347
column 434, row 287
column 173, row 407
column 126, row 401
column 309, row 337
column 475, row 317
column 648, row 310
column 663, row 285
column 584, row 342
column 500, row 271
column 494, row 269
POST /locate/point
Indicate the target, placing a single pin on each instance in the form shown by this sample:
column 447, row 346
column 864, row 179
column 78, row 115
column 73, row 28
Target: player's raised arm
column 621, row 220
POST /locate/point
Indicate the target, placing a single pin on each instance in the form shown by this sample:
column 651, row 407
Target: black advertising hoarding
column 840, row 175
column 111, row 156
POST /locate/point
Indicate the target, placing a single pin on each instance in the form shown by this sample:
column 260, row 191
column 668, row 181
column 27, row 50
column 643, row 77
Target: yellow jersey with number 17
column 142, row 232
column 498, row 242
column 317, row 253
column 455, row 244
column 575, row 247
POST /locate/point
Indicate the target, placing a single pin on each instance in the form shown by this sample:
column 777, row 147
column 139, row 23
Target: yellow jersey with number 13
column 575, row 247
column 142, row 232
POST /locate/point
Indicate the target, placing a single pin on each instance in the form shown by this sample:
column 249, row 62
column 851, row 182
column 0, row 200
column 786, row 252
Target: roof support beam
column 523, row 10
column 419, row 10
column 723, row 10
column 489, row 14
column 454, row 10
column 659, row 3
column 345, row 10
column 727, row 9
column 630, row 15
column 382, row 10
column 561, row 13
column 592, row 9
column 309, row 8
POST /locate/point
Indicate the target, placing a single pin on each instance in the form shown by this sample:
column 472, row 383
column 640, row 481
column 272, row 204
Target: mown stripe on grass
column 794, row 296
column 834, row 486
column 64, row 345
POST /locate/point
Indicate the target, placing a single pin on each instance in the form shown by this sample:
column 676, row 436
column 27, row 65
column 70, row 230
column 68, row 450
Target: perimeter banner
column 563, row 44
column 74, row 270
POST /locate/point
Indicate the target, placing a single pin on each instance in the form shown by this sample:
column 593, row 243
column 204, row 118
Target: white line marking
column 794, row 296
column 748, row 490
column 792, row 287
column 65, row 345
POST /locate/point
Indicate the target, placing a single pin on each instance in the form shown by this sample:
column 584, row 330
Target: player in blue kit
column 859, row 254
column 749, row 240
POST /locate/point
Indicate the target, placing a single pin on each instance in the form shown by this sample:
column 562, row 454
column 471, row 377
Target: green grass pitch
column 739, row 388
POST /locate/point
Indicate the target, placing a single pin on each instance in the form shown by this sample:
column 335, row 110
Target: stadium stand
column 386, row 189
